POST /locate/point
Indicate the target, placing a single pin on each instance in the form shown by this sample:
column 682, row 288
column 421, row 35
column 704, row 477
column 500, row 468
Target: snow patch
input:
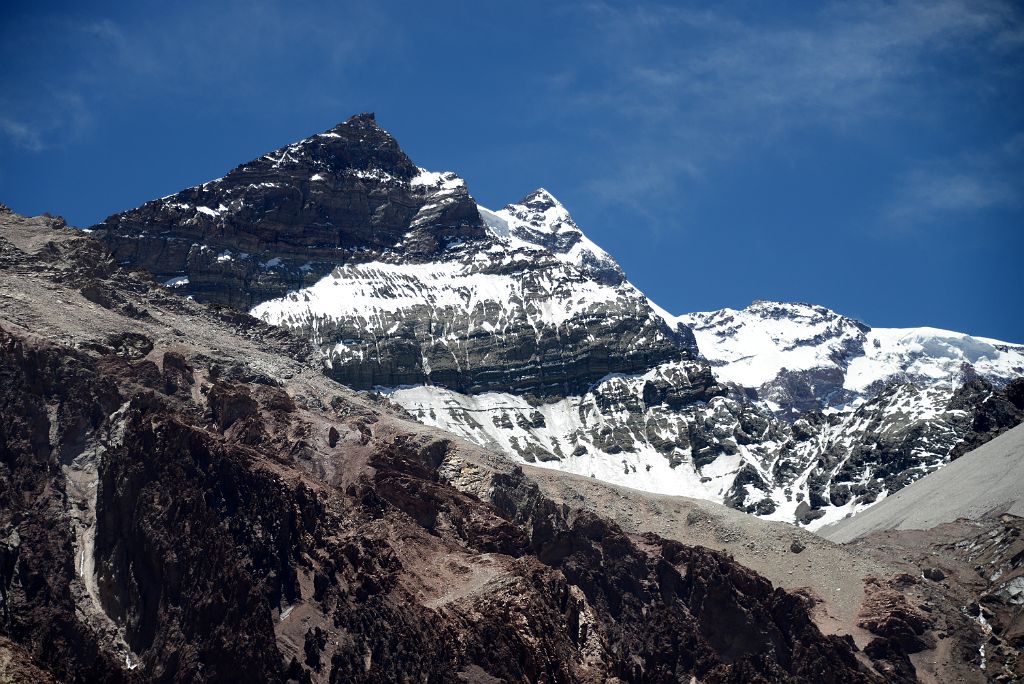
column 177, row 281
column 440, row 180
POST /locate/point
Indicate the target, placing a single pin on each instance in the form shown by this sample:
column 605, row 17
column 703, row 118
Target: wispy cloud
column 21, row 134
column 943, row 189
column 55, row 118
column 695, row 88
column 213, row 54
column 838, row 66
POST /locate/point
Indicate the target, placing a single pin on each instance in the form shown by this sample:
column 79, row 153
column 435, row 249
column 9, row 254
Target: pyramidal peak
column 365, row 119
column 542, row 210
column 365, row 122
column 355, row 146
column 541, row 220
column 540, row 199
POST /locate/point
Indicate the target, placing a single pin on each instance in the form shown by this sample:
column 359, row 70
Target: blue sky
column 866, row 156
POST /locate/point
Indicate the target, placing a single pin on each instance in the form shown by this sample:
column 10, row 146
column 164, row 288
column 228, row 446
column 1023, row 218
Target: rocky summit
column 397, row 274
column 512, row 329
column 285, row 220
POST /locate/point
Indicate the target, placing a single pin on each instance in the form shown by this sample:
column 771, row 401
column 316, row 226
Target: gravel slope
column 988, row 480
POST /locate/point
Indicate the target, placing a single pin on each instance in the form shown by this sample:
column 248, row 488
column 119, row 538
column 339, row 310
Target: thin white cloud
column 701, row 87
column 212, row 54
column 840, row 64
column 929, row 192
column 944, row 189
column 58, row 116
column 21, row 134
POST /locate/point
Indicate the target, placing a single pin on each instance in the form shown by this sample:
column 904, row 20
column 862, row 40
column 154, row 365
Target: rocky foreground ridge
column 512, row 329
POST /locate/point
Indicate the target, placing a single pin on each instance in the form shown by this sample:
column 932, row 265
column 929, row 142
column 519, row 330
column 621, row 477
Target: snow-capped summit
column 932, row 356
column 801, row 356
column 540, row 219
column 751, row 346
column 542, row 210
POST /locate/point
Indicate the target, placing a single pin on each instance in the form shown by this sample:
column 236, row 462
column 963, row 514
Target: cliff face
column 186, row 497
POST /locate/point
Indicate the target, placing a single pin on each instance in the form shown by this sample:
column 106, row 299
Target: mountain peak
column 364, row 119
column 540, row 197
column 357, row 144
column 540, row 219
column 542, row 211
column 293, row 214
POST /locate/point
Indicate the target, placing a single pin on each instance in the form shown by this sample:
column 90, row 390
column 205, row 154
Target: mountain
column 188, row 493
column 512, row 329
column 288, row 218
column 800, row 357
column 185, row 496
column 395, row 273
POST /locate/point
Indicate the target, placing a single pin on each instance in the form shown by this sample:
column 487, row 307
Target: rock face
column 703, row 443
column 512, row 329
column 482, row 318
column 288, row 218
column 195, row 501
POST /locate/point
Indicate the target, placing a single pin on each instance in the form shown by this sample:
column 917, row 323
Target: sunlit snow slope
column 799, row 357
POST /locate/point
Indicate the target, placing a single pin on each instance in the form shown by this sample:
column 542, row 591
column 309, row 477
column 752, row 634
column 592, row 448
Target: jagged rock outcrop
column 992, row 412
